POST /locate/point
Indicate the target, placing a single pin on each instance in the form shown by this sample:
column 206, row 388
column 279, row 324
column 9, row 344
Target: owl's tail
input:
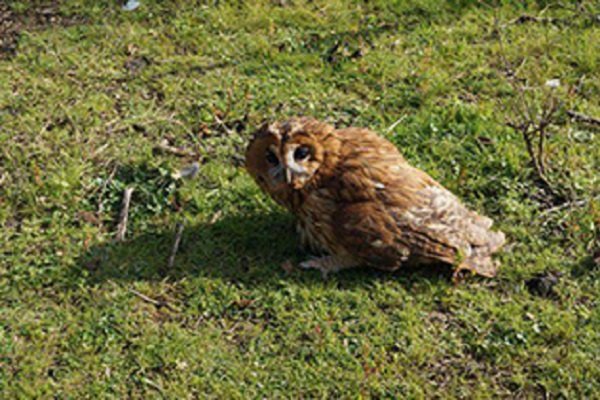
column 487, row 242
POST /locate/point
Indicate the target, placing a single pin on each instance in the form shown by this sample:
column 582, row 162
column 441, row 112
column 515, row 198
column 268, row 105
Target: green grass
column 80, row 103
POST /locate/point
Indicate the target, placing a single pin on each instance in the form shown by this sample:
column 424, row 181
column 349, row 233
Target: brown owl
column 359, row 203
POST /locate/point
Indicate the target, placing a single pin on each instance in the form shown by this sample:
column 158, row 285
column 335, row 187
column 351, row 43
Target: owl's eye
column 272, row 158
column 301, row 153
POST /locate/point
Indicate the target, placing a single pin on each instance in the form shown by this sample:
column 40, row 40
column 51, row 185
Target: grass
column 83, row 104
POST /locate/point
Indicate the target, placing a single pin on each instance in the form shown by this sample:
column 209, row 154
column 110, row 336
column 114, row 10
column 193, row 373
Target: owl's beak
column 295, row 180
column 294, row 173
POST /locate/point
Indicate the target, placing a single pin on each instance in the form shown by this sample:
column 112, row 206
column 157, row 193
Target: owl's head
column 287, row 155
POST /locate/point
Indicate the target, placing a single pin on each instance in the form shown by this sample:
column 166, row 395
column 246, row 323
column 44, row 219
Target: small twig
column 531, row 18
column 229, row 330
column 540, row 153
column 122, row 227
column 568, row 204
column 198, row 322
column 147, row 299
column 216, row 216
column 166, row 147
column 539, row 171
column 532, row 127
column 223, row 125
column 154, row 385
column 545, row 120
column 178, row 234
column 583, row 118
column 399, row 120
column 99, row 150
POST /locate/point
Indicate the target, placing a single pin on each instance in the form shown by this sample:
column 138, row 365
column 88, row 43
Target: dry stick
column 526, row 134
column 223, row 125
column 154, row 385
column 198, row 322
column 528, row 117
column 543, row 124
column 537, row 166
column 166, row 147
column 568, row 204
column 525, row 112
column 541, row 150
column 178, row 234
column 545, row 121
column 392, row 126
column 216, row 216
column 147, row 299
column 122, row 228
column 531, row 18
column 526, row 18
column 99, row 150
column 583, row 118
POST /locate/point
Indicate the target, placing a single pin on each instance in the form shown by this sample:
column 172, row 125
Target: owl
column 358, row 202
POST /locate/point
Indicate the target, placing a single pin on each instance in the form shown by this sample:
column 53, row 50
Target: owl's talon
column 310, row 264
column 315, row 263
column 326, row 265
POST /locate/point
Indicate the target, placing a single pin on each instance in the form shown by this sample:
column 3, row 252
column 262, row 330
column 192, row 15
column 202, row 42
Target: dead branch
column 398, row 121
column 147, row 299
column 536, row 157
column 531, row 18
column 530, row 123
column 99, row 150
column 540, row 19
column 568, row 204
column 216, row 216
column 546, row 117
column 178, row 151
column 122, row 227
column 178, row 234
column 583, row 118
column 223, row 125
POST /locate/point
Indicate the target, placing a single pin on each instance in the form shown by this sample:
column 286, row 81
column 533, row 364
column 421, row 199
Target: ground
column 89, row 92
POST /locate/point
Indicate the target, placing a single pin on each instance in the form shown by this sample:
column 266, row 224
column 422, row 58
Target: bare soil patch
column 37, row 17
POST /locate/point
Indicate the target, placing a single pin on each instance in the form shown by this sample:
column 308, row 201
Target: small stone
column 131, row 5
column 543, row 284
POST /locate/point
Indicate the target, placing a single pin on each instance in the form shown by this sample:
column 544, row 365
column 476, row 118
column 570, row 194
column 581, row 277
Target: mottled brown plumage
column 358, row 202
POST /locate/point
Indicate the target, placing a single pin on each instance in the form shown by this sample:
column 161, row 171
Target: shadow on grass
column 245, row 250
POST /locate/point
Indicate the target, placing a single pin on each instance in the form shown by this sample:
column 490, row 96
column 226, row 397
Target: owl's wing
column 407, row 216
column 368, row 233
